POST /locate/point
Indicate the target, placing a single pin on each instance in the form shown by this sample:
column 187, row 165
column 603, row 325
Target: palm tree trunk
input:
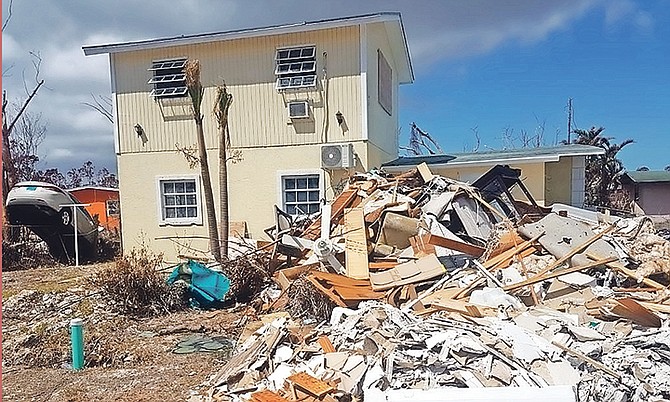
column 223, row 187
column 214, row 244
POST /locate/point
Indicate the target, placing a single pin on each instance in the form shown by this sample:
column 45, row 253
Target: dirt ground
column 129, row 359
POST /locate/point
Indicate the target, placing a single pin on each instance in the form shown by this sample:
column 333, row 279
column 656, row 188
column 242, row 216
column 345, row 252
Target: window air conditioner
column 337, row 156
column 298, row 110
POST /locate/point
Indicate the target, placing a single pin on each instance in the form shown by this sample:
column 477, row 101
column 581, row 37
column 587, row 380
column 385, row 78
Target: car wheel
column 65, row 217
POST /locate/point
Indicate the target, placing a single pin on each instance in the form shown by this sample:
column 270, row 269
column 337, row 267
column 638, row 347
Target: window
column 296, row 67
column 384, row 83
column 301, row 194
column 113, row 207
column 169, row 79
column 179, row 201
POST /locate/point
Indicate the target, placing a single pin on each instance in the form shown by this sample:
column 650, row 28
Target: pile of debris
column 433, row 284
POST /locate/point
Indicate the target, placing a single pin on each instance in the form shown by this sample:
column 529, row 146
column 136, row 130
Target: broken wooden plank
column 381, row 265
column 557, row 273
column 326, row 344
column 267, row 396
column 356, row 244
column 347, row 199
column 506, row 241
column 634, row 311
column 328, row 292
column 509, row 254
column 311, row 385
column 469, row 249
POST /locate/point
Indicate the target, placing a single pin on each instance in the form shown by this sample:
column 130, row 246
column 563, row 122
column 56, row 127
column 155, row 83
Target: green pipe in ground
column 77, row 340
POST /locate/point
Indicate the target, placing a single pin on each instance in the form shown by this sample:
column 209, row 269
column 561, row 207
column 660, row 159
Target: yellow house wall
column 254, row 186
column 558, row 181
column 532, row 176
column 382, row 127
column 258, row 115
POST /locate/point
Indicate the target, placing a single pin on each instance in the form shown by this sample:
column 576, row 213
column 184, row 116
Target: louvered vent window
column 296, row 67
column 169, row 79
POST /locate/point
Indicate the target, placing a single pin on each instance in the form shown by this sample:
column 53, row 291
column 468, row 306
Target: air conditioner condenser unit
column 338, row 156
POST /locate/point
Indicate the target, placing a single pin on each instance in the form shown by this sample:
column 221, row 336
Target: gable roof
column 523, row 155
column 650, row 176
column 391, row 20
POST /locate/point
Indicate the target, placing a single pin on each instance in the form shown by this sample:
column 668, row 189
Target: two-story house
column 312, row 103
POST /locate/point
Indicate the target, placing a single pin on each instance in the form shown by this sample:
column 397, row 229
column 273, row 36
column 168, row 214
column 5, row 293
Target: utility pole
column 569, row 118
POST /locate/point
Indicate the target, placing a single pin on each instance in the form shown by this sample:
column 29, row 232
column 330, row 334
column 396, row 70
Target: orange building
column 104, row 203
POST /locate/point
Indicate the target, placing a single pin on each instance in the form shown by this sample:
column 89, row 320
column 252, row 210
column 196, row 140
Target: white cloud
column 436, row 30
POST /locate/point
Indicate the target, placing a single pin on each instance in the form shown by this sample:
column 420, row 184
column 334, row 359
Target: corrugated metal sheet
column 258, row 115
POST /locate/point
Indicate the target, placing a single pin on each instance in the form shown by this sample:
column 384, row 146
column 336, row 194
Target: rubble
column 411, row 284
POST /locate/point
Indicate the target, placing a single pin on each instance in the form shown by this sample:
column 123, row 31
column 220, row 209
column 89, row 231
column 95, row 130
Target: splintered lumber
column 557, row 273
column 587, row 359
column 326, row 344
column 628, row 272
column 469, row 249
column 347, row 199
column 343, row 291
column 267, row 396
column 634, row 311
column 506, row 241
column 356, row 244
column 507, row 256
column 381, row 265
column 310, row 385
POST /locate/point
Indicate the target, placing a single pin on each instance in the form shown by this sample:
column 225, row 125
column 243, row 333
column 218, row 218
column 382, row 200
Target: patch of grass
column 7, row 293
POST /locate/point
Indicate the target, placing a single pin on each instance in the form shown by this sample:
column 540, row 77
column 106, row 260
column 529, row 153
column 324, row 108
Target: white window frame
column 162, row 219
column 303, row 77
column 297, row 173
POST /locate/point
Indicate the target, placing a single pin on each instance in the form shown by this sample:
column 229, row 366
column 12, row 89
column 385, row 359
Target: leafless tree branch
column 102, row 105
column 9, row 15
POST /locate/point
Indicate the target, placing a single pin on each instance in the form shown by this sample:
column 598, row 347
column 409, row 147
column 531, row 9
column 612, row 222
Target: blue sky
column 616, row 71
column 489, row 64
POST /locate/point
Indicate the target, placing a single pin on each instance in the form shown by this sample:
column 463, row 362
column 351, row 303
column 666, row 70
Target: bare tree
column 420, row 142
column 103, row 105
column 221, row 108
column 196, row 92
column 9, row 171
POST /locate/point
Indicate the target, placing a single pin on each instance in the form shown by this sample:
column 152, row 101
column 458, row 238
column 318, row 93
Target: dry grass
column 137, row 287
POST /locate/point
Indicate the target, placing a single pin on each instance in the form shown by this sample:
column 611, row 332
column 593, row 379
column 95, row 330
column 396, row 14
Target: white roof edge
column 243, row 33
column 92, row 188
column 499, row 160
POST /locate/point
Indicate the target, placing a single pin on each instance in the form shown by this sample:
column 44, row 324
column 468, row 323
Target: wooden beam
column 356, row 244
column 469, row 249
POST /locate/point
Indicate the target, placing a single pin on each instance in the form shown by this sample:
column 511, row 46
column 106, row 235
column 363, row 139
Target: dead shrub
column 27, row 252
column 248, row 276
column 136, row 286
column 306, row 302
